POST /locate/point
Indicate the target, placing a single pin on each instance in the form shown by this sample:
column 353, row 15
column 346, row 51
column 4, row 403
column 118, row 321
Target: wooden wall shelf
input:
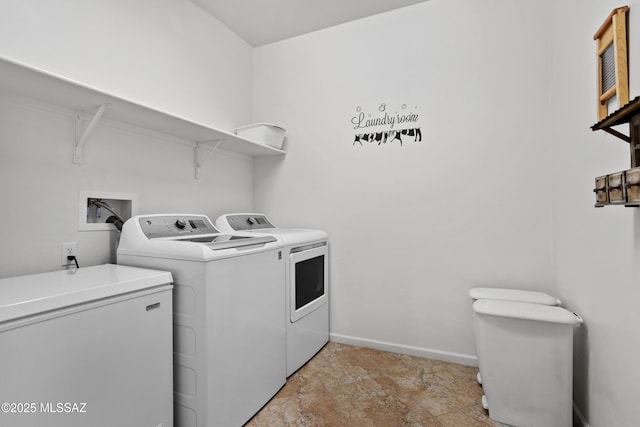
column 621, row 188
column 621, row 116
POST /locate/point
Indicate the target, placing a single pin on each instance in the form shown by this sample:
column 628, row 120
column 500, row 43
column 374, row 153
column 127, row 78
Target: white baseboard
column 462, row 359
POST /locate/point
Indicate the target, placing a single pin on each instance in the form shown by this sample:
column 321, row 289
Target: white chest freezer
column 90, row 347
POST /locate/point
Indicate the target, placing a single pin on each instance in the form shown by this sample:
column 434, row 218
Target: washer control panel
column 244, row 222
column 155, row 226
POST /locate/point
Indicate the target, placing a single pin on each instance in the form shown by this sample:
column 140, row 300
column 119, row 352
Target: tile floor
column 353, row 386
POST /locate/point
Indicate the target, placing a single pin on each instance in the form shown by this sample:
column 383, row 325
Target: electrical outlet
column 68, row 249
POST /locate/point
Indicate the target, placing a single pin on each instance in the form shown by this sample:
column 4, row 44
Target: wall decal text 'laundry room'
column 379, row 128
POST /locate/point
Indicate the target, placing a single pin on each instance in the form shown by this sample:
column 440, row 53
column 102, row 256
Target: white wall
column 597, row 250
column 168, row 54
column 413, row 228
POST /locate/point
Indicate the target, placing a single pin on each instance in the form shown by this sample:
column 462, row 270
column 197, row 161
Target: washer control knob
column 250, row 221
column 181, row 223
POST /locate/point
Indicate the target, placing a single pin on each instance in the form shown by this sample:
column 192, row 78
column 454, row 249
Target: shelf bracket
column 616, row 133
column 82, row 139
column 201, row 155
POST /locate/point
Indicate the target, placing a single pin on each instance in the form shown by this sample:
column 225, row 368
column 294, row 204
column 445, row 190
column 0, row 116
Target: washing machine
column 228, row 323
column 306, row 254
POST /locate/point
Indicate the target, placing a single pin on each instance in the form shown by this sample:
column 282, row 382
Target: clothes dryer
column 228, row 323
column 306, row 254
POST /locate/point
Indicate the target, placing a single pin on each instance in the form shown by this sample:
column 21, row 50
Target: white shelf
column 25, row 81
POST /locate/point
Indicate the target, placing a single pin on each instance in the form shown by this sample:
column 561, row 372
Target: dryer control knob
column 181, row 223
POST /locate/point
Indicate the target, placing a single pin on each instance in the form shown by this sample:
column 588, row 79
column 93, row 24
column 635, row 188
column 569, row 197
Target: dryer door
column 309, row 279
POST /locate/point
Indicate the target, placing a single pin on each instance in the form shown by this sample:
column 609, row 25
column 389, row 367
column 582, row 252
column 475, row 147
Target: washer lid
column 37, row 293
column 513, row 295
column 526, row 311
column 224, row 241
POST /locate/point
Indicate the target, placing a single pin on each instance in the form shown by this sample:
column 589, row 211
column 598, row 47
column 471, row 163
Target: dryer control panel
column 155, row 226
column 244, row 222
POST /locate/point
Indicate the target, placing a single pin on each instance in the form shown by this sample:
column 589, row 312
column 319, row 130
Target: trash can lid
column 526, row 311
column 532, row 297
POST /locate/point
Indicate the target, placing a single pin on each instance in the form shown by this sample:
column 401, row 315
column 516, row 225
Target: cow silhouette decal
column 388, row 136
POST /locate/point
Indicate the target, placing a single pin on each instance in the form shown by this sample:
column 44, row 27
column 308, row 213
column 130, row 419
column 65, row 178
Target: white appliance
column 229, row 335
column 88, row 347
column 307, row 283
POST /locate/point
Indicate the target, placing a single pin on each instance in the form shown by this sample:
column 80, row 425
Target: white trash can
column 502, row 294
column 526, row 360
